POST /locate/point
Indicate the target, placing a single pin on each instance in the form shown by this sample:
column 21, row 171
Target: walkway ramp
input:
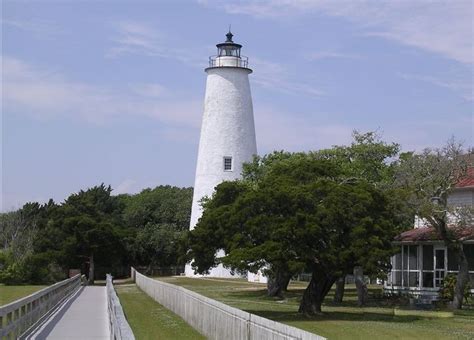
column 83, row 316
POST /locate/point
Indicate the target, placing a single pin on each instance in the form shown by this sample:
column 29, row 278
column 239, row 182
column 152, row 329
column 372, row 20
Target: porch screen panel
column 453, row 264
column 428, row 279
column 469, row 251
column 405, row 258
column 428, row 257
column 413, row 279
column 428, row 264
column 413, row 258
column 396, row 273
column 397, row 278
column 439, row 258
column 398, row 261
column 405, row 278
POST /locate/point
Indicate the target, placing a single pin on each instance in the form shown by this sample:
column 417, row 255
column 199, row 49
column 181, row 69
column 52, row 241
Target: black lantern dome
column 228, row 48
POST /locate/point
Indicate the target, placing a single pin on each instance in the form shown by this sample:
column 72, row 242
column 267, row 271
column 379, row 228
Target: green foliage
column 429, row 177
column 298, row 214
column 161, row 205
column 291, row 208
column 157, row 245
column 39, row 243
column 322, row 212
column 35, row 269
column 368, row 158
column 158, row 218
column 447, row 289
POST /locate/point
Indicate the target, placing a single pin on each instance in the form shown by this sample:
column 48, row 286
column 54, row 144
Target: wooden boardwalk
column 83, row 316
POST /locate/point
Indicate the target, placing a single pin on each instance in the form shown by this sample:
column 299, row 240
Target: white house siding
column 461, row 197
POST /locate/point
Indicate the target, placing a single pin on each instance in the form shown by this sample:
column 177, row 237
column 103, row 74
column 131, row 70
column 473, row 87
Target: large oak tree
column 300, row 216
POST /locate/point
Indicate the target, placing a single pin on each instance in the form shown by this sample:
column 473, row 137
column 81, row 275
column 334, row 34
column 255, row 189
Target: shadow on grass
column 296, row 294
column 282, row 316
column 251, row 301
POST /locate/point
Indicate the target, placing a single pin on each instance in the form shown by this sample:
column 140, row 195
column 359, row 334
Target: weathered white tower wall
column 227, row 133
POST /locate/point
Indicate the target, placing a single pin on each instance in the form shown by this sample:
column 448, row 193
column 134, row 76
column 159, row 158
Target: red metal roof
column 468, row 181
column 430, row 234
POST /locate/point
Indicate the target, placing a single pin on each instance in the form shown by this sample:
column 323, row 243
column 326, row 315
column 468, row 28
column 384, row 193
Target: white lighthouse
column 227, row 131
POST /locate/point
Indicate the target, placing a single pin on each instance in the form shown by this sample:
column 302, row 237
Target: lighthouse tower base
column 219, row 271
column 258, row 277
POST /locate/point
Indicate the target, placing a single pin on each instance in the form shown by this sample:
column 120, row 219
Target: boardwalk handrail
column 215, row 319
column 118, row 324
column 18, row 316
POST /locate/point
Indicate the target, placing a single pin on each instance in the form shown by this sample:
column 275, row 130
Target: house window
column 227, row 163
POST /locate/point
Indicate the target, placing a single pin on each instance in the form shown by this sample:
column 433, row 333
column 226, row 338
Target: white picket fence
column 214, row 319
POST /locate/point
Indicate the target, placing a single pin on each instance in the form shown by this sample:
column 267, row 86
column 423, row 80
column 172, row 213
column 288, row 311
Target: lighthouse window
column 227, row 163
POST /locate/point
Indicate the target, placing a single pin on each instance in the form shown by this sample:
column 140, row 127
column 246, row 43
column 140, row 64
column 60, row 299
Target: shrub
column 448, row 286
column 33, row 269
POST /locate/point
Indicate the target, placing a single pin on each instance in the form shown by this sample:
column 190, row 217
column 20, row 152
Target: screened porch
column 423, row 267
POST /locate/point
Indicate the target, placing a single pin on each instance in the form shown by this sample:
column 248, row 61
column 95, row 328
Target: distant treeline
column 94, row 231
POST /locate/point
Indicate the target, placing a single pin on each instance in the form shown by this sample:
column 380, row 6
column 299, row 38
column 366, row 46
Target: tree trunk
column 278, row 283
column 340, row 285
column 91, row 269
column 360, row 285
column 462, row 279
column 314, row 294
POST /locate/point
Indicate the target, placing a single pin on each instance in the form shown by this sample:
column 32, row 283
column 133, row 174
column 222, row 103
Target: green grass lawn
column 149, row 319
column 346, row 321
column 12, row 293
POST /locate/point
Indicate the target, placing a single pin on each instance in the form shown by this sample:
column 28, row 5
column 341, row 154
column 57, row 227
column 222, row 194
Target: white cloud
column 442, row 27
column 276, row 77
column 462, row 88
column 44, row 93
column 143, row 39
column 278, row 130
column 330, row 55
column 149, row 90
column 39, row 28
column 128, row 186
column 131, row 37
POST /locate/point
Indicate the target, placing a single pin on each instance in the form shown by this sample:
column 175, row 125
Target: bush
column 34, row 269
column 448, row 286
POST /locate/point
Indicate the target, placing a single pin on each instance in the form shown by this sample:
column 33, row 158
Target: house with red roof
column 424, row 260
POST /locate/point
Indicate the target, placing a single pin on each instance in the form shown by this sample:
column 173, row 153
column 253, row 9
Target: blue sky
column 112, row 91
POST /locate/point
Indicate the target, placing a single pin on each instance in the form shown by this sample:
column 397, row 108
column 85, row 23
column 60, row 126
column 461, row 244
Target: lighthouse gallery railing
column 223, row 61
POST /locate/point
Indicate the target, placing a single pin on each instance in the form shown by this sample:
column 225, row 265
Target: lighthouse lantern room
column 228, row 54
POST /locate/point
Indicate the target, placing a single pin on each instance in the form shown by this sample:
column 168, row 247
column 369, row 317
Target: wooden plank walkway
column 83, row 316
